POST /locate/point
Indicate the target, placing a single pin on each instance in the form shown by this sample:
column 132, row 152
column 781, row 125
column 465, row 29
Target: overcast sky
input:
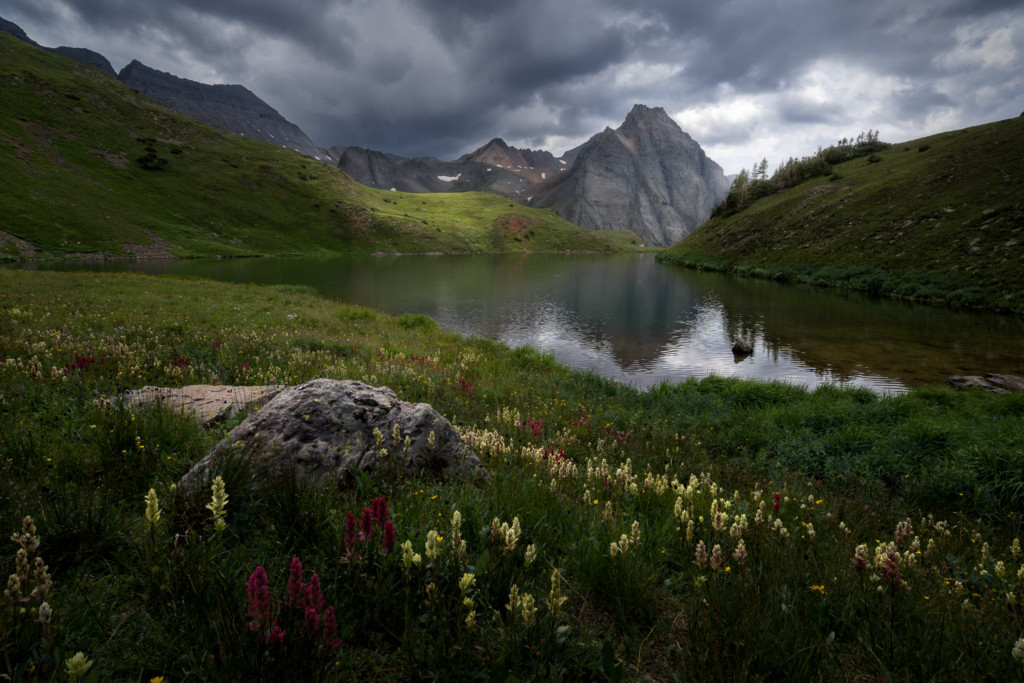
column 746, row 78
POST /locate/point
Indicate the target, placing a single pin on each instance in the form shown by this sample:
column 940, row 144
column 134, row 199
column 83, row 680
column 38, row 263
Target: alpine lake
column 639, row 322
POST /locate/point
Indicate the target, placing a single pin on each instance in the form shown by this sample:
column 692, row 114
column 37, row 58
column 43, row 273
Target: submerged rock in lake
column 742, row 347
column 333, row 430
column 995, row 382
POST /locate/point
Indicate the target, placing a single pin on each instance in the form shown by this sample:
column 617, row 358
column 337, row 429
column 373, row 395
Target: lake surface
column 640, row 322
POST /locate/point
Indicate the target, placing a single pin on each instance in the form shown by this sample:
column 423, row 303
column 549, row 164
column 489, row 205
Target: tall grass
column 712, row 530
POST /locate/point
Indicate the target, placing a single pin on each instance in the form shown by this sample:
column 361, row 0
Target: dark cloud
column 749, row 78
column 799, row 109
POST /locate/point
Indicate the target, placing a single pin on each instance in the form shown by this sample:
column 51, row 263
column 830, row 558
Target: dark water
column 636, row 321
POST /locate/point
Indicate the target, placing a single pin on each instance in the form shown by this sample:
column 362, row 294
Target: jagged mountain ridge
column 495, row 167
column 647, row 176
column 534, row 165
column 80, row 53
column 231, row 108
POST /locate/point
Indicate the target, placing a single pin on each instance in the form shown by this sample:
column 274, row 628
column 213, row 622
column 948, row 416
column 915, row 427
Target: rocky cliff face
column 231, row 108
column 648, row 176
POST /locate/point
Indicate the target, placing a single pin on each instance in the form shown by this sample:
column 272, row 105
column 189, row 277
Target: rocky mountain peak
column 532, row 165
column 639, row 112
column 647, row 176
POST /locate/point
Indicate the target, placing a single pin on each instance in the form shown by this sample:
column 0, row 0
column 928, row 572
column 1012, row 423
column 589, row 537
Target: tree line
column 749, row 186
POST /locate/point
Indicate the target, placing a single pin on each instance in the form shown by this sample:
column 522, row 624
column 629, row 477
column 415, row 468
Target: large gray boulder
column 334, row 429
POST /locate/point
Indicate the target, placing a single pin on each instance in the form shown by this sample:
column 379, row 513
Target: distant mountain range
column 647, row 176
column 495, row 167
column 94, row 169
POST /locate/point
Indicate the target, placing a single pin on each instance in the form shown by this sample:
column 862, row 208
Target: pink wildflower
column 329, row 633
column 314, row 598
column 275, row 640
column 388, row 542
column 775, row 505
column 258, row 590
column 350, row 534
column 380, row 510
column 311, row 622
column 366, row 525
column 466, row 386
column 296, row 589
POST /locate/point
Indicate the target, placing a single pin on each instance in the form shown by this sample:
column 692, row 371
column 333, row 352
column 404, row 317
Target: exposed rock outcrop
column 647, row 176
column 333, row 429
column 230, row 108
column 994, row 382
column 208, row 402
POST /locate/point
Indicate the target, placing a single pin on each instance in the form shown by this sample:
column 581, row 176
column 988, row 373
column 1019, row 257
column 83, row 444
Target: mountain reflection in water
column 631, row 319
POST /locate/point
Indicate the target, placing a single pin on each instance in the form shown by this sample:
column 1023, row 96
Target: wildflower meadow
column 713, row 530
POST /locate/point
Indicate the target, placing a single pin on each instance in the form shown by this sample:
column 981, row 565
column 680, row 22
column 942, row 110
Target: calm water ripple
column 631, row 319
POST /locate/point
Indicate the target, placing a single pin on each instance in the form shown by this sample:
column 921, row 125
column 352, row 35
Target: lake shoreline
column 590, row 481
column 629, row 318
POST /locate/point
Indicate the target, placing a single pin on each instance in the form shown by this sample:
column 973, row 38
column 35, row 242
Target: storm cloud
column 746, row 78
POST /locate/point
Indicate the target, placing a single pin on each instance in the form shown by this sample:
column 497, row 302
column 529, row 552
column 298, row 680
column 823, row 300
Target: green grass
column 802, row 478
column 937, row 219
column 95, row 167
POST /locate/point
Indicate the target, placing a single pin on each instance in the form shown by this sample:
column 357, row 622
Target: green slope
column 938, row 219
column 88, row 165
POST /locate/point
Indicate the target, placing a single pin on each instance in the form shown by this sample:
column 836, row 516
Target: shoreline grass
column 711, row 530
column 934, row 220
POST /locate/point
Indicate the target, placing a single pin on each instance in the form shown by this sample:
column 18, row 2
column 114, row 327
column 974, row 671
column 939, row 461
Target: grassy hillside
column 716, row 530
column 937, row 219
column 92, row 166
